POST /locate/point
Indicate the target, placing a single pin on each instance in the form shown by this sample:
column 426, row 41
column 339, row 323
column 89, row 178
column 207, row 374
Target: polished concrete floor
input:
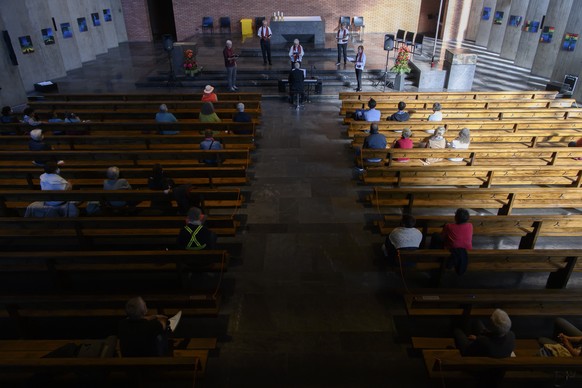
column 310, row 302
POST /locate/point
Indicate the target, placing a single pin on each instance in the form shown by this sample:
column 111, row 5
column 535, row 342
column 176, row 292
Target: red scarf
column 359, row 57
column 297, row 52
column 344, row 33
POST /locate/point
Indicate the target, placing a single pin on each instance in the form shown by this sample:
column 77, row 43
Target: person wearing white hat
column 209, row 95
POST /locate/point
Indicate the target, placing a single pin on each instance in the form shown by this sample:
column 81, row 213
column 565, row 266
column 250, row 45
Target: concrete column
column 118, row 20
column 568, row 62
column 12, row 92
column 67, row 47
column 485, row 25
column 513, row 34
column 557, row 17
column 498, row 30
column 528, row 41
column 474, row 20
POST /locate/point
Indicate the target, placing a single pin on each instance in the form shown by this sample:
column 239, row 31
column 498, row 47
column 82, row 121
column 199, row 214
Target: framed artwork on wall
column 26, row 44
column 47, row 36
column 82, row 22
column 107, row 15
column 486, row 13
column 498, row 19
column 95, row 19
column 569, row 42
column 66, row 30
column 547, row 34
column 515, row 21
column 531, row 26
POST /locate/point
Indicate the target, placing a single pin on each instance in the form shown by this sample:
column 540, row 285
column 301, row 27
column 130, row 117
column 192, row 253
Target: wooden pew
column 402, row 175
column 539, row 156
column 235, row 97
column 529, row 228
column 442, row 96
column 229, row 199
column 482, row 302
column 145, row 127
column 504, row 200
column 153, row 106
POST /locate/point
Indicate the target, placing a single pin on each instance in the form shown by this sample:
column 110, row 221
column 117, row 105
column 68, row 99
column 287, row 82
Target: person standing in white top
column 342, row 43
column 436, row 115
column 296, row 53
column 265, row 34
column 360, row 63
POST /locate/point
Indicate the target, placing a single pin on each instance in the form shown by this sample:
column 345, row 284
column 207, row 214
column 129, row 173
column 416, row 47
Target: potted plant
column 401, row 67
column 190, row 66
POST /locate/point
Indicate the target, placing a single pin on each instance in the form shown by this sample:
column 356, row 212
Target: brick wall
column 137, row 22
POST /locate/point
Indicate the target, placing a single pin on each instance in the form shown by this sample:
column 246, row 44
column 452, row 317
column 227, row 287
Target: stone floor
column 310, row 304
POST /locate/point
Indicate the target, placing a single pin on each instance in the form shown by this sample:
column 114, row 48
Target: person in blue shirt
column 372, row 114
column 163, row 116
column 208, row 144
column 375, row 141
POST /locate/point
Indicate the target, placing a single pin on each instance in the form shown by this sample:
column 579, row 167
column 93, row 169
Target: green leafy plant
column 401, row 65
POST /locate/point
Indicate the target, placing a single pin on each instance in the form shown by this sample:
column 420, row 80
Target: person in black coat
column 296, row 78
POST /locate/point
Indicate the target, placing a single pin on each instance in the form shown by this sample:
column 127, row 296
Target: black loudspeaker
column 9, row 47
column 168, row 42
column 388, row 42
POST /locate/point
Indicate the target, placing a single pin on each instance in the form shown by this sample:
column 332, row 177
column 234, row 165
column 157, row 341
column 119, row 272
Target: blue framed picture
column 82, row 22
column 515, row 21
column 486, row 13
column 26, row 44
column 498, row 19
column 107, row 15
column 66, row 30
column 47, row 36
column 95, row 19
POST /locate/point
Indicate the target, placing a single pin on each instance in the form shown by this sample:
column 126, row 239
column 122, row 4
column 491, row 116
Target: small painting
column 95, row 19
column 47, row 36
column 82, row 22
column 26, row 44
column 570, row 42
column 107, row 15
column 66, row 30
column 531, row 26
column 547, row 34
column 515, row 21
column 498, row 19
column 486, row 13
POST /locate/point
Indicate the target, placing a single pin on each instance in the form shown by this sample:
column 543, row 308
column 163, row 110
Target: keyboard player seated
column 296, row 78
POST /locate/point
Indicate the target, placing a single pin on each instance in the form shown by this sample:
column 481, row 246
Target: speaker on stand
column 388, row 47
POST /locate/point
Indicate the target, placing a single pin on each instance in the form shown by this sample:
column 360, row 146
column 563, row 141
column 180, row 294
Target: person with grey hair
column 296, row 53
column 241, row 116
column 114, row 182
column 194, row 236
column 37, row 143
column 436, row 141
column 142, row 335
column 164, row 116
column 405, row 142
column 436, row 115
column 494, row 340
column 230, row 63
column 461, row 142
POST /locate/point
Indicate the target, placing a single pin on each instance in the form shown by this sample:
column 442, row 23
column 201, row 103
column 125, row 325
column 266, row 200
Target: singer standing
column 342, row 43
column 296, row 53
column 265, row 34
column 230, row 63
column 360, row 62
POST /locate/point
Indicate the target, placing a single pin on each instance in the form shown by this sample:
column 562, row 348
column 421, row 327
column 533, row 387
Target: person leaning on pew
column 569, row 337
column 457, row 235
column 494, row 340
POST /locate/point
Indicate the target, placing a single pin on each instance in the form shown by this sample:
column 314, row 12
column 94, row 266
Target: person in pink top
column 404, row 142
column 459, row 234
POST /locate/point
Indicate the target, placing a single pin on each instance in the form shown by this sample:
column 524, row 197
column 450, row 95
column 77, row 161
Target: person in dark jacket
column 194, row 235
column 401, row 115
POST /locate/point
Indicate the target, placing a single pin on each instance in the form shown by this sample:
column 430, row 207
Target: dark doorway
column 162, row 19
column 427, row 20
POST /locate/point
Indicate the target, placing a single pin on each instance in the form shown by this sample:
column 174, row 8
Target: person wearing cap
column 195, row 236
column 405, row 142
column 230, row 63
column 493, row 340
column 265, row 34
column 461, row 142
column 296, row 53
column 436, row 141
column 342, row 38
column 164, row 116
column 209, row 95
column 241, row 116
column 436, row 115
column 401, row 115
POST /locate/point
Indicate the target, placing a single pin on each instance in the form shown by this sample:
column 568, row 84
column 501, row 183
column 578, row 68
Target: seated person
column 30, row 117
column 72, row 118
column 405, row 142
column 461, row 142
column 569, row 337
column 209, row 95
column 376, row 141
column 405, row 237
column 195, row 236
column 496, row 340
column 7, row 116
column 163, row 116
column 207, row 114
column 142, row 335
column 457, row 235
column 370, row 114
column 51, row 180
column 296, row 80
column 210, row 143
column 241, row 116
column 401, row 115
column 436, row 115
column 159, row 180
column 55, row 118
column 113, row 182
column 37, row 143
column 436, row 141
